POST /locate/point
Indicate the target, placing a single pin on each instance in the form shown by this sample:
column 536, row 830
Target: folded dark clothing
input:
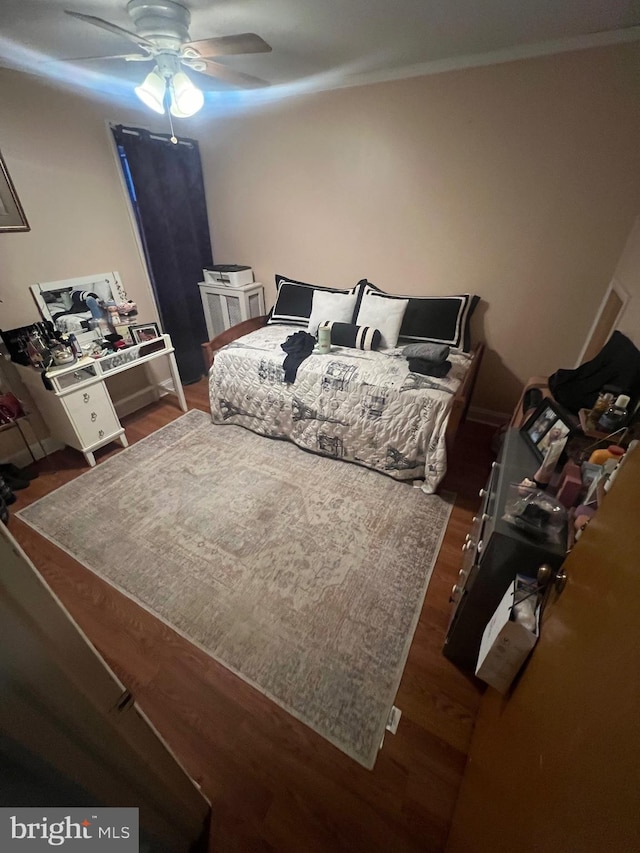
column 428, row 368
column 617, row 364
column 435, row 353
column 298, row 347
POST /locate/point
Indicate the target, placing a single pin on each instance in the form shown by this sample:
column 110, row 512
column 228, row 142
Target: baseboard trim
column 487, row 416
column 138, row 400
column 144, row 397
column 22, row 458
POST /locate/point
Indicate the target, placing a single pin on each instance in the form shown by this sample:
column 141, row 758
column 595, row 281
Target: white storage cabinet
column 225, row 306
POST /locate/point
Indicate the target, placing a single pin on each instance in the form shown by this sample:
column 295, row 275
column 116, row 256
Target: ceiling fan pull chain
column 173, row 138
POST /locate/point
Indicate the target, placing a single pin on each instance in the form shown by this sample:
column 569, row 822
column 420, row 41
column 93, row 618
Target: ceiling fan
column 162, row 36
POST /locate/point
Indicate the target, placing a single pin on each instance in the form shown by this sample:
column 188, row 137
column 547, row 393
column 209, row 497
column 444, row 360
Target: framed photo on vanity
column 143, row 332
column 547, row 424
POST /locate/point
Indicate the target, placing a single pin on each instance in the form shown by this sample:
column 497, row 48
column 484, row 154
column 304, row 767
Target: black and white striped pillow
column 356, row 337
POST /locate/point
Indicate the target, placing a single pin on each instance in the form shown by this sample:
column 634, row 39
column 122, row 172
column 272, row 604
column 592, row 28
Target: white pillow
column 337, row 307
column 383, row 314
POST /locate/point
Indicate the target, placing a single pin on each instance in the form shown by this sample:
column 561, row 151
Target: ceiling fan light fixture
column 186, row 98
column 152, row 91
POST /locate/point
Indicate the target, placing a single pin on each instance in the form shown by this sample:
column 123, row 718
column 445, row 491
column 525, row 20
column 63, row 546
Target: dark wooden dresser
column 493, row 554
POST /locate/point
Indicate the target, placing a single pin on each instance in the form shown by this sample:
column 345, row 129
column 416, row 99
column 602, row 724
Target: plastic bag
column 536, row 514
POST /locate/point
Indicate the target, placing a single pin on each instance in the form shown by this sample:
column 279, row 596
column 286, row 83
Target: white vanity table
column 78, row 410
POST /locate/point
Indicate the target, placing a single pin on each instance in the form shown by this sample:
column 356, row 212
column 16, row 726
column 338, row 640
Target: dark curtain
column 167, row 189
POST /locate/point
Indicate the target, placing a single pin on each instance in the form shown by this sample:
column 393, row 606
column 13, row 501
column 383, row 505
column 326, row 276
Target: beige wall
column 519, row 182
column 58, row 152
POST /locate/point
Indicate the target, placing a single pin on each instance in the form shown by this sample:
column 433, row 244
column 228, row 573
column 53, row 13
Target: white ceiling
column 325, row 43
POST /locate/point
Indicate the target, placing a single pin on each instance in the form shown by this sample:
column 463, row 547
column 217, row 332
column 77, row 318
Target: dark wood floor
column 274, row 784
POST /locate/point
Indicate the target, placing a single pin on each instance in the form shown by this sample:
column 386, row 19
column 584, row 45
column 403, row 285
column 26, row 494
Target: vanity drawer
column 92, row 432
column 93, row 398
column 92, row 414
column 74, row 377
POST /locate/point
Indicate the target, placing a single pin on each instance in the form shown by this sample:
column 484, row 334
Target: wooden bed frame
column 461, row 400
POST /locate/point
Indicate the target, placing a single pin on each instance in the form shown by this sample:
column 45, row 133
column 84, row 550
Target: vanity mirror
column 68, row 303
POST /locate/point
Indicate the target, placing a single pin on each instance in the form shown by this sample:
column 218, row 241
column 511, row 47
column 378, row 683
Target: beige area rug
column 302, row 574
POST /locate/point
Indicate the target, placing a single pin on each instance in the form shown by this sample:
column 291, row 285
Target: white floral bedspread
column 363, row 407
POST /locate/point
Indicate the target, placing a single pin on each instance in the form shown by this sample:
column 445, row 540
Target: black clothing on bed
column 428, row 368
column 298, row 347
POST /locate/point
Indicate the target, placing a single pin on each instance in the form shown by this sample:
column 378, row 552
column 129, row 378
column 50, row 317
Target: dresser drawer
column 93, row 398
column 75, row 377
column 92, row 414
column 92, row 432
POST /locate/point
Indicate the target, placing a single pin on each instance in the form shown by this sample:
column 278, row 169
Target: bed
column 359, row 406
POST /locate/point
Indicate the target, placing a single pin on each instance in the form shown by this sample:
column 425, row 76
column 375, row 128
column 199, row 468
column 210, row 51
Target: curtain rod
column 133, row 131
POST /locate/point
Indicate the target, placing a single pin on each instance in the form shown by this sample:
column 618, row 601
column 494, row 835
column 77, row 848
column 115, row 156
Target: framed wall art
column 12, row 216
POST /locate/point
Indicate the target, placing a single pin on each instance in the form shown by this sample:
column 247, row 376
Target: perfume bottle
column 39, row 355
column 616, row 415
column 605, row 398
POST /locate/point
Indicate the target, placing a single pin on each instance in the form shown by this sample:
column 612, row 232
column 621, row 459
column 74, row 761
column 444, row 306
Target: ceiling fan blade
column 112, row 28
column 130, row 57
column 229, row 45
column 229, row 75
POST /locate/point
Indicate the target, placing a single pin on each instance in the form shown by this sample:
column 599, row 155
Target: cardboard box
column 505, row 644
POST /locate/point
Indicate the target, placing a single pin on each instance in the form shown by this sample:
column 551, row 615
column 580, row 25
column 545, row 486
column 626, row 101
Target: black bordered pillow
column 356, row 337
column 435, row 319
column 294, row 301
column 440, row 320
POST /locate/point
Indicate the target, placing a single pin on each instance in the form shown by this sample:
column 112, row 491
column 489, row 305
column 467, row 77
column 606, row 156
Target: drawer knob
column 455, row 593
column 86, row 397
column 480, row 546
column 485, row 516
column 494, row 465
column 77, row 374
column 482, row 493
column 100, row 433
column 462, row 575
column 94, row 417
